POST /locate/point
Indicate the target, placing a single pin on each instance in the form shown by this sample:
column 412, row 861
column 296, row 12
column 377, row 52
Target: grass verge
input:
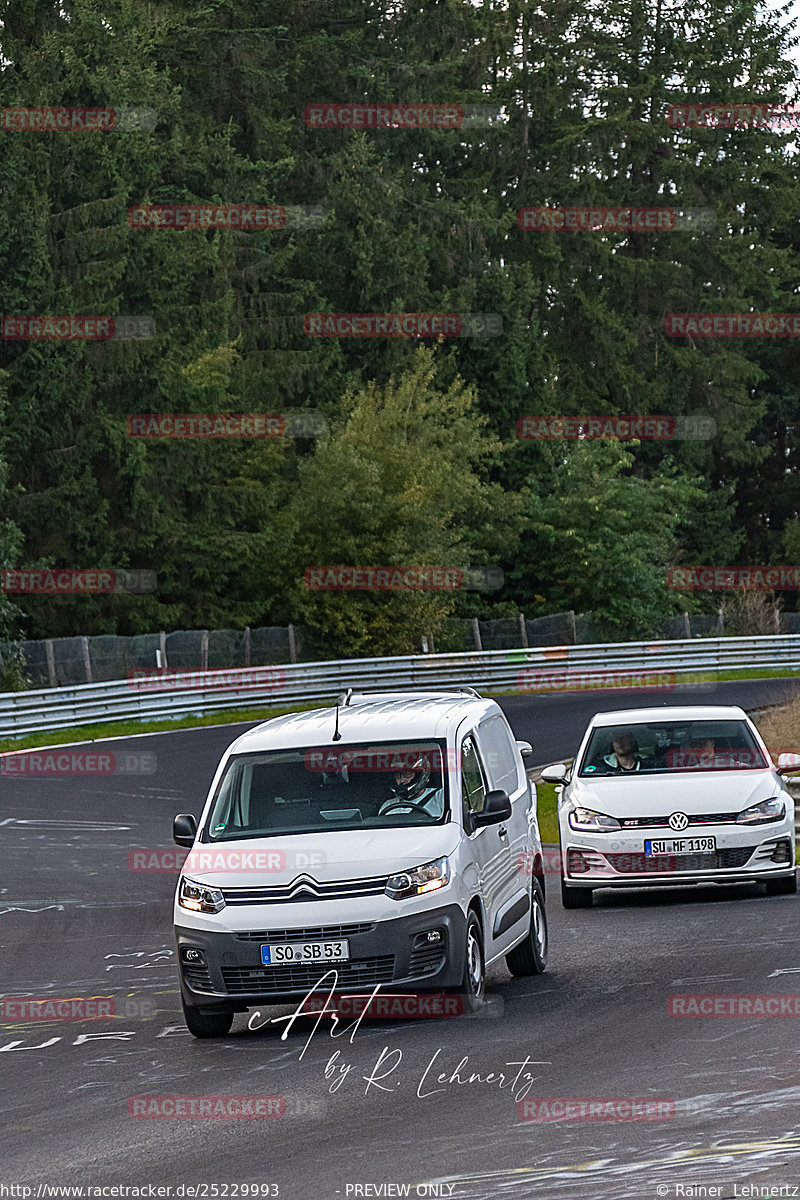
column 547, row 808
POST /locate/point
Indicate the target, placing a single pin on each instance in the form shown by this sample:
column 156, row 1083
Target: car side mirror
column 556, row 774
column 788, row 762
column 526, row 750
column 184, row 830
column 496, row 809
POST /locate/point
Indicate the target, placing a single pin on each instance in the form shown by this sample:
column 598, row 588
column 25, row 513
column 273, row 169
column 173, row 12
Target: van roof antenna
column 344, row 699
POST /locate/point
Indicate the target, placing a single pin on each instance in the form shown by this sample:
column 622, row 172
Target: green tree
column 599, row 540
column 399, row 480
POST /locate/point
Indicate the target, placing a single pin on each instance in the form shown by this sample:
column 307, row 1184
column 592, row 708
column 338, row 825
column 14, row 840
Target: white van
column 391, row 839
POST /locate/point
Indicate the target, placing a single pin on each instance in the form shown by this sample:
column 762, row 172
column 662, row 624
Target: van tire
column 580, row 897
column 206, row 1025
column 530, row 956
column 473, row 982
column 782, row 887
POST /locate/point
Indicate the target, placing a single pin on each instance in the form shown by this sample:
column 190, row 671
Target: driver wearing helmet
column 413, row 791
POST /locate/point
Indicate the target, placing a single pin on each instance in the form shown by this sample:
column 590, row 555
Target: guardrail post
column 203, row 649
column 573, row 629
column 51, row 661
column 476, row 633
column 87, row 662
column 247, row 646
column 292, row 645
column 163, row 645
column 523, row 632
column 687, row 625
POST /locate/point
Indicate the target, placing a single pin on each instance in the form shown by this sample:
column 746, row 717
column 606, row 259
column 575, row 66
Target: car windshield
column 667, row 747
column 320, row 789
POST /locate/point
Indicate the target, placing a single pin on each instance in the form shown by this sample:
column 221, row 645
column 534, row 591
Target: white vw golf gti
column 672, row 796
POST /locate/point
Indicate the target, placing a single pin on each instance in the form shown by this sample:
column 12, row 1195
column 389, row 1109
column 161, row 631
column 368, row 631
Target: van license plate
column 698, row 845
column 292, row 952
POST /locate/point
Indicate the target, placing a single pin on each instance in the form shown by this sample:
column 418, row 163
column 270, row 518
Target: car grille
column 258, row 981
column 306, row 934
column 197, row 976
column 305, row 889
column 725, row 818
column 642, row 864
column 425, row 960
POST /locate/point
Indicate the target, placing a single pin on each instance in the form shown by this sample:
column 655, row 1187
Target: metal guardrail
column 658, row 666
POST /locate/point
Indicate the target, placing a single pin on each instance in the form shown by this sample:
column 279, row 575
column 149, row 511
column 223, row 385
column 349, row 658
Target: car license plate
column 698, row 845
column 293, row 952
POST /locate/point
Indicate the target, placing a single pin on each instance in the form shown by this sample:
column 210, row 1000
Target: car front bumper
column 743, row 854
column 397, row 954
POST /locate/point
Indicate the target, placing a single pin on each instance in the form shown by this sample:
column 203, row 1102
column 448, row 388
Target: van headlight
column 429, row 878
column 594, row 822
column 199, row 897
column 760, row 814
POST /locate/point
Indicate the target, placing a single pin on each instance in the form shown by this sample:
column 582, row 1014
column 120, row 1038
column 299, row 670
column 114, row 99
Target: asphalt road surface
column 430, row 1107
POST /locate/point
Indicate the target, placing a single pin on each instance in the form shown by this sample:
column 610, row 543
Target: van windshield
column 320, row 789
column 660, row 748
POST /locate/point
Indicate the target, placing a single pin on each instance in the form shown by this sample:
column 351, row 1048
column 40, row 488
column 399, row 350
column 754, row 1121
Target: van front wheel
column 206, row 1025
column 473, row 983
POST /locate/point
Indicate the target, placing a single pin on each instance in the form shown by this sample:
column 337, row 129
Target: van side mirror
column 556, row 774
column 496, row 809
column 184, row 830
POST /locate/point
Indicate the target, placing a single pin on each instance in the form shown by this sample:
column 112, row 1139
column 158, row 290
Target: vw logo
column 678, row 821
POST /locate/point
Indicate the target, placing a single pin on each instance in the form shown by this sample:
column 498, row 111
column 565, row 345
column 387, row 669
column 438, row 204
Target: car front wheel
column 782, row 887
column 206, row 1025
column 530, row 956
column 473, row 983
column 575, row 897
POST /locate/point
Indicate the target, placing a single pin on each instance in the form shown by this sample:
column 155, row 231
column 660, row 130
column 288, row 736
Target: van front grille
column 261, row 981
column 306, row 934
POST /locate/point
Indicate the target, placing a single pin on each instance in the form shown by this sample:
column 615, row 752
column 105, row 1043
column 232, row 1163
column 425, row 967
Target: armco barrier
column 500, row 670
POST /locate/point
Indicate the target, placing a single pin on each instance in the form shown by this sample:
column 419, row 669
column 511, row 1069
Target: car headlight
column 199, row 897
column 773, row 809
column 428, row 878
column 588, row 819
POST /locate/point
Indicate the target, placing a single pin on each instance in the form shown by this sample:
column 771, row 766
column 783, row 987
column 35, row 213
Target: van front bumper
column 420, row 952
